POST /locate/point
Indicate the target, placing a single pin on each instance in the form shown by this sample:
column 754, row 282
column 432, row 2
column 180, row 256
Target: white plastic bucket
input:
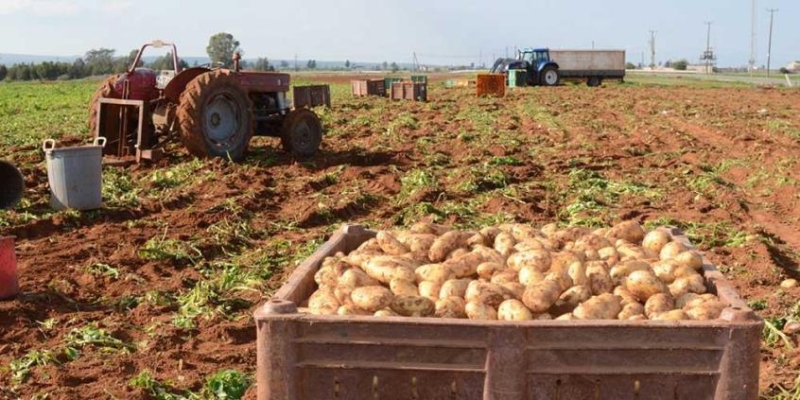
column 75, row 175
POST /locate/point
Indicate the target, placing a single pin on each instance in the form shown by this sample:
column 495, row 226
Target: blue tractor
column 541, row 69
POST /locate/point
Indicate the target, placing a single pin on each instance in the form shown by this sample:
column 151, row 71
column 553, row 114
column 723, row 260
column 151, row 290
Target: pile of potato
column 515, row 272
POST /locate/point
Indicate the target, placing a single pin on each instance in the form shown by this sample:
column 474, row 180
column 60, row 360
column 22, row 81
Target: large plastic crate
column 304, row 356
column 368, row 87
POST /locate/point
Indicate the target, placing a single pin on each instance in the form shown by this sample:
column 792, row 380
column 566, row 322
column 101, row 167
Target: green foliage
column 221, row 47
column 680, row 65
column 226, row 384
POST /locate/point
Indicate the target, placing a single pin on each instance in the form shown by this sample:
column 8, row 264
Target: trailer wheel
column 302, row 133
column 215, row 117
column 549, row 76
column 593, row 81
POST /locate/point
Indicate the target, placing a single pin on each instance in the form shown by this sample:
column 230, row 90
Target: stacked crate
column 368, row 87
column 491, row 85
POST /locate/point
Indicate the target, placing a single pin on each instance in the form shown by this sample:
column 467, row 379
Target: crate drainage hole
column 636, row 387
column 335, row 387
column 375, row 387
column 453, row 390
column 414, row 391
column 597, row 389
column 558, row 386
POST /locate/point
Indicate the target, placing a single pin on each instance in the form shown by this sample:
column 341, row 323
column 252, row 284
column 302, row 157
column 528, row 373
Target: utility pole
column 642, row 64
column 753, row 39
column 652, row 50
column 295, row 62
column 708, row 55
column 769, row 49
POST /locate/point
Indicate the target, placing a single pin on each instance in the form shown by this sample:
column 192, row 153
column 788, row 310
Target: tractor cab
column 534, row 57
column 541, row 70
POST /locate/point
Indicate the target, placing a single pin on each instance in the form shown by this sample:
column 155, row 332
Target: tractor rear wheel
column 104, row 90
column 302, row 133
column 593, row 81
column 549, row 76
column 215, row 116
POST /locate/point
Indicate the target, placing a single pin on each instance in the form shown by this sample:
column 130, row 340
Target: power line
column 708, row 55
column 769, row 49
column 753, row 39
column 652, row 49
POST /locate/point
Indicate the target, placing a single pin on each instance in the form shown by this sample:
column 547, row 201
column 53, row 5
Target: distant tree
column 347, row 64
column 394, row 67
column 630, row 65
column 165, row 63
column 3, row 72
column 385, row 65
column 195, row 63
column 100, row 61
column 284, row 64
column 221, row 48
column 680, row 65
column 783, row 70
column 262, row 64
column 311, row 64
column 77, row 69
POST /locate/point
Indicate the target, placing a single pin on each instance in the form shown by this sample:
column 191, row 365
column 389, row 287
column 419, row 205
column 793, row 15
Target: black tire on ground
column 301, row 134
column 215, row 117
column 549, row 76
column 105, row 89
column 593, row 81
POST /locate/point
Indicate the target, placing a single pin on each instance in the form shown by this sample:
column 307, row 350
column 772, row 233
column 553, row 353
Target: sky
column 438, row 31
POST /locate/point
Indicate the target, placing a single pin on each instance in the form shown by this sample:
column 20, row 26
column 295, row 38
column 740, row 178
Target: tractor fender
column 177, row 85
column 548, row 64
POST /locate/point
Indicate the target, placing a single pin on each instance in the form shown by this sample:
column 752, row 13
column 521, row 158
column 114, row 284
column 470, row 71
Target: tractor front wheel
column 302, row 133
column 215, row 117
column 549, row 76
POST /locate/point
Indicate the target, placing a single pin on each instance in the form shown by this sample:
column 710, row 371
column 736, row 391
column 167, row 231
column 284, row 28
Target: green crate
column 387, row 83
column 517, row 78
column 419, row 78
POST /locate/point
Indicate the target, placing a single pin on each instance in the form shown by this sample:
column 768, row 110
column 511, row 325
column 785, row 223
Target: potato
column 507, row 276
column 577, row 272
column 566, row 317
column 684, row 272
column 382, row 268
column 608, row 252
column 515, row 289
column 671, row 249
column 323, row 302
column 562, row 260
column 402, row 287
column 529, row 274
column 430, row 289
column 708, row 310
column 591, row 242
column 604, row 306
column 599, row 280
column 629, row 231
column 456, row 253
column 486, row 292
column 549, row 229
column 571, row 298
column 358, row 258
column 644, row 284
column 562, row 278
column 450, row 307
column 685, row 299
column 504, row 243
column 445, row 244
column 371, row 245
column 591, row 255
column 351, row 309
column 543, row 317
column 421, row 243
column 690, row 259
column 489, row 254
column 355, row 278
column 665, row 270
column 672, row 315
column 541, row 295
column 342, row 294
column 623, row 269
column 386, row 312
column 437, row 273
column 390, row 245
column 465, row 265
column 487, row 270
column 631, row 310
column 539, row 259
column 371, row 298
column 522, row 232
column 413, row 306
column 658, row 303
column 628, row 251
column 528, row 245
column 480, row 311
column 454, row 288
column 625, row 294
column 513, row 310
column 655, row 240
column 327, row 276
column 687, row 284
column 478, row 240
column 404, row 273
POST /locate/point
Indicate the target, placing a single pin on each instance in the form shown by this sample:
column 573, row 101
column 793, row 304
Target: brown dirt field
column 722, row 163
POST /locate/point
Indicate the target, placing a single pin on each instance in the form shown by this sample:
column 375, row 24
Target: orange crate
column 491, row 85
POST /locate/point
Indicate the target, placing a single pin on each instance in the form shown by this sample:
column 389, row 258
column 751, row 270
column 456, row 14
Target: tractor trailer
column 549, row 67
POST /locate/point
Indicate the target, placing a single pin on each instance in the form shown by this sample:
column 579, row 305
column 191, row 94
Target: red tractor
column 215, row 110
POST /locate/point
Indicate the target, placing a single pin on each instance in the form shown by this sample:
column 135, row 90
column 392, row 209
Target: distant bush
column 785, row 71
column 680, row 65
column 630, row 65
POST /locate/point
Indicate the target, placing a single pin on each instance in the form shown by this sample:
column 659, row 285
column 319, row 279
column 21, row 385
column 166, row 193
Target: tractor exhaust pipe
column 12, row 185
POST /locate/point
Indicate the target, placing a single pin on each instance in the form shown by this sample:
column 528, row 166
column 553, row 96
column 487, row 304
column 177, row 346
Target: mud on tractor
column 215, row 111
